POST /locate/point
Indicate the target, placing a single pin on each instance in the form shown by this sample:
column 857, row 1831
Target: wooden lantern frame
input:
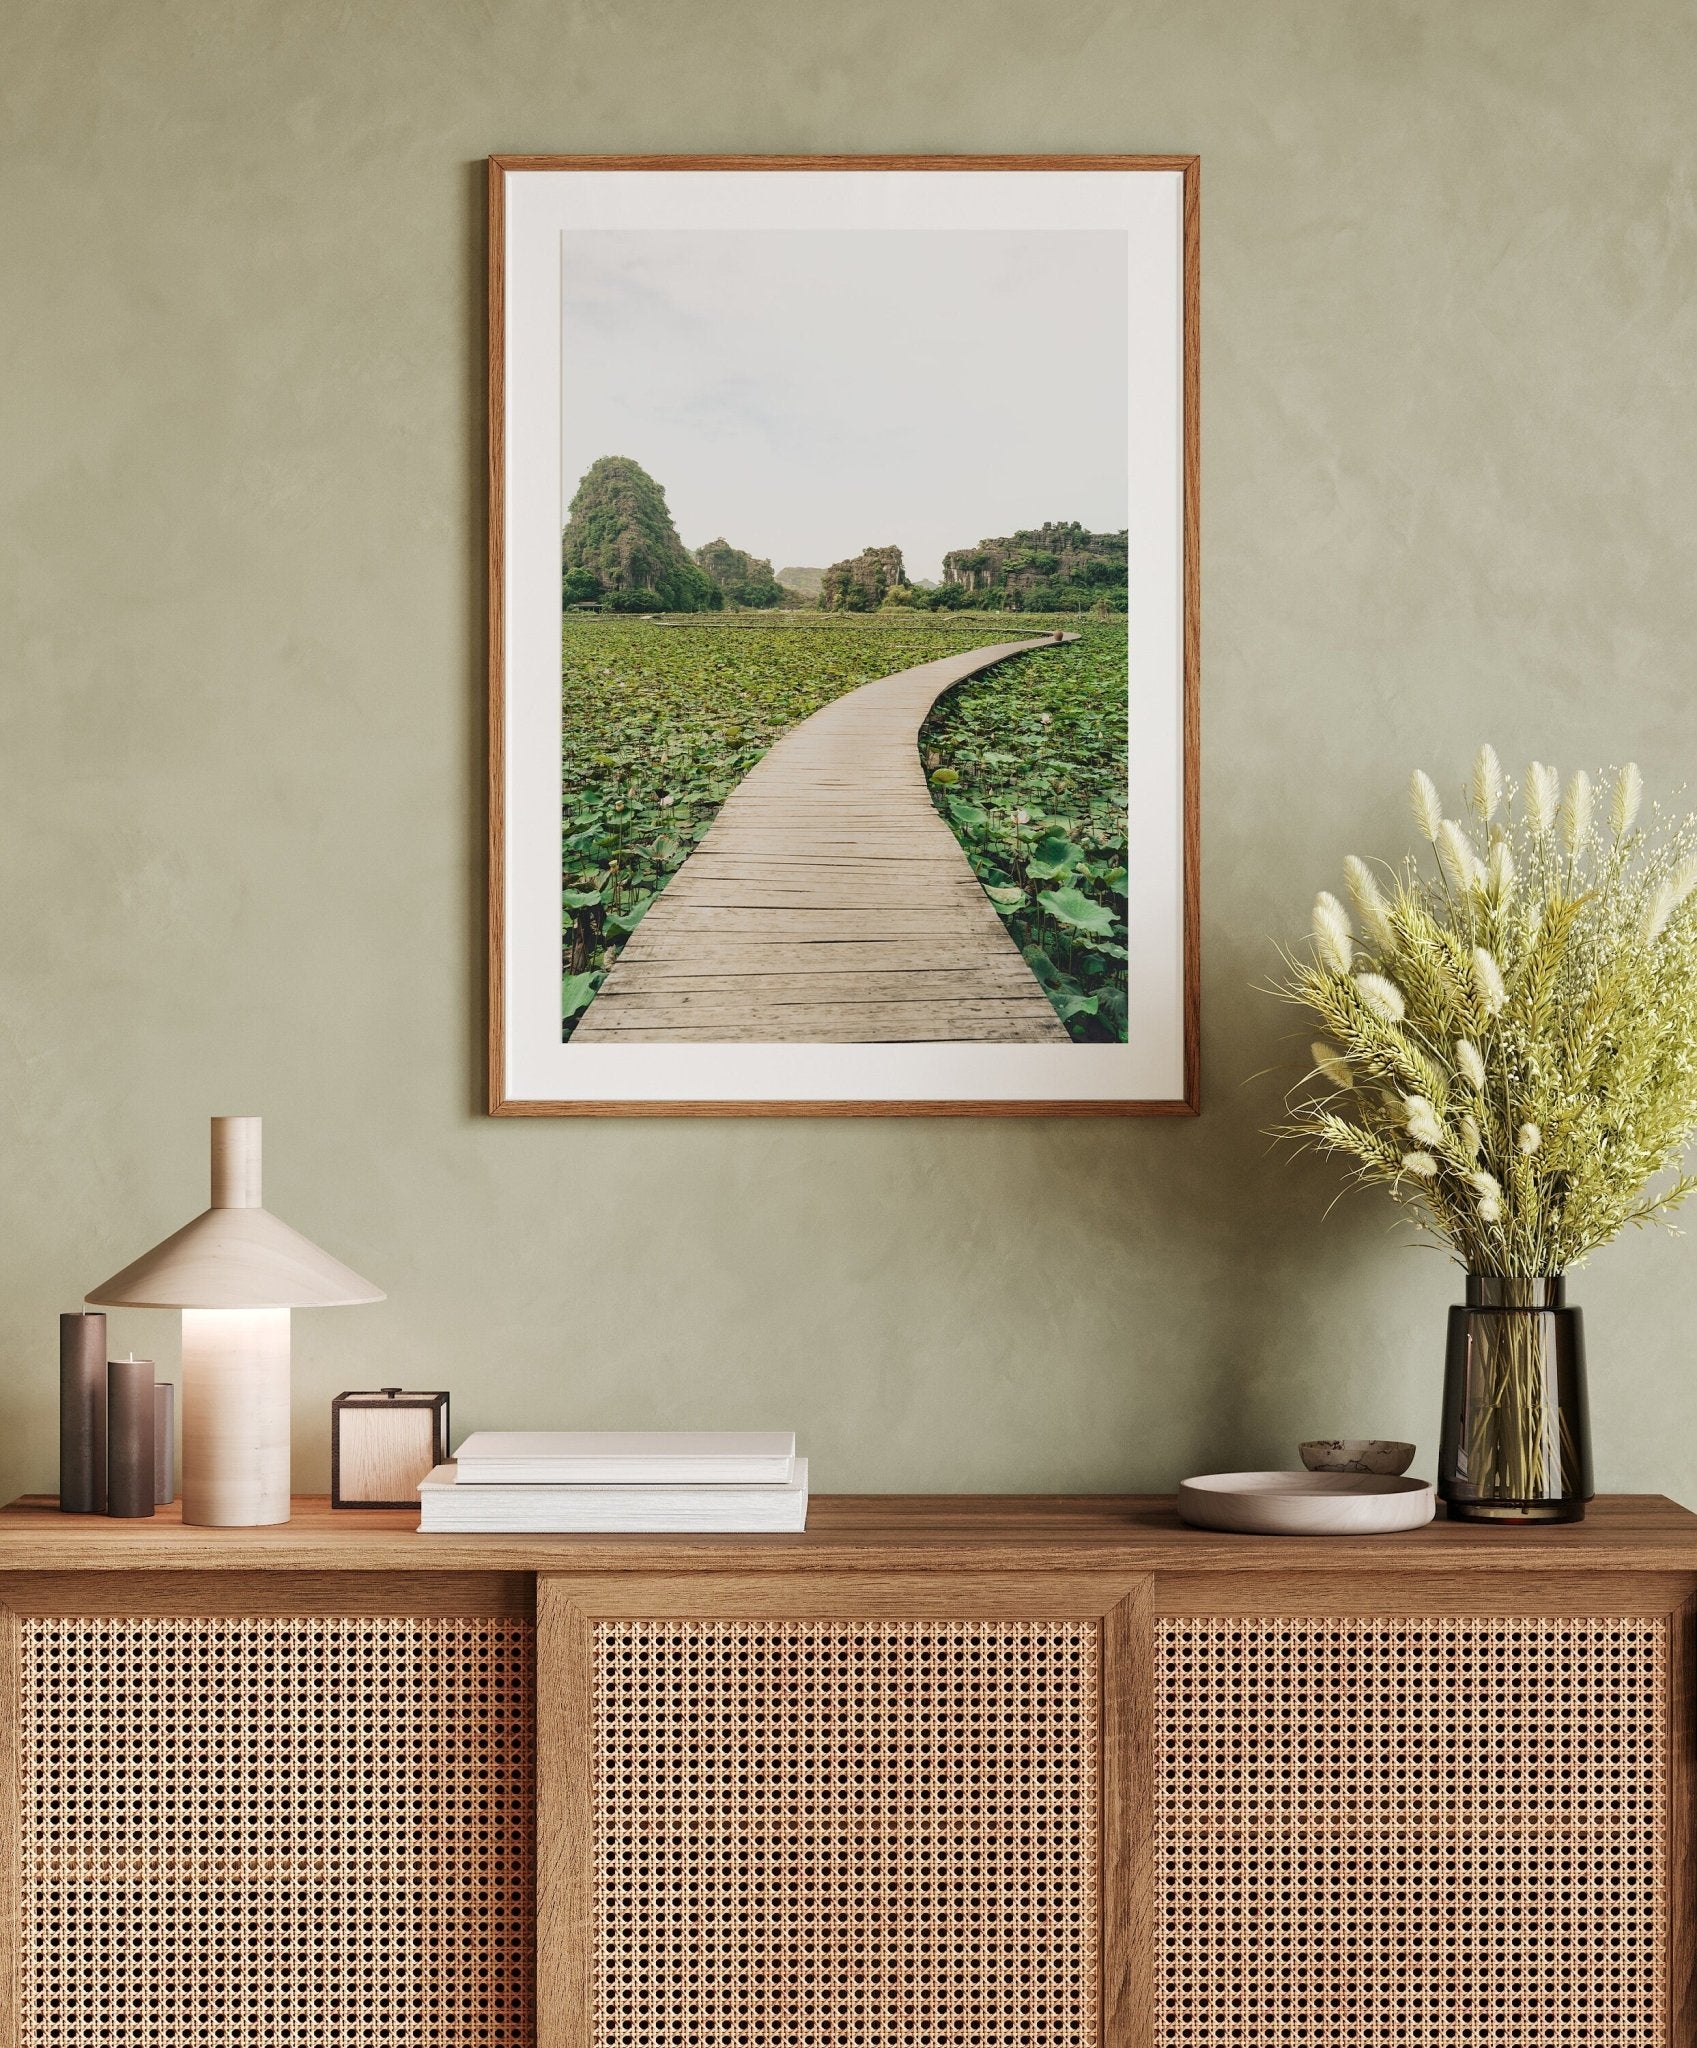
column 396, row 1397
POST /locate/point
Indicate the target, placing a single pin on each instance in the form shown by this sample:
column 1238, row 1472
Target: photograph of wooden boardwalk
column 829, row 902
column 880, row 799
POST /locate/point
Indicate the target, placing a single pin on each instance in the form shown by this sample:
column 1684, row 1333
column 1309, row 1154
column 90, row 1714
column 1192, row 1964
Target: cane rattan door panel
column 812, row 1834
column 1439, row 1833
column 278, row 1833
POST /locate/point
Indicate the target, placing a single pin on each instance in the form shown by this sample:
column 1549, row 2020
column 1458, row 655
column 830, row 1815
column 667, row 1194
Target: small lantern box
column 382, row 1444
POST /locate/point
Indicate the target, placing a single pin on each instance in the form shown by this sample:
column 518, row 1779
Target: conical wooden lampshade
column 236, row 1254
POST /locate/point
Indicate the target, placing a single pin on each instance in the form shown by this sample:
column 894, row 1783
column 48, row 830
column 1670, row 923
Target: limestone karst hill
column 862, row 583
column 743, row 579
column 1055, row 564
column 621, row 551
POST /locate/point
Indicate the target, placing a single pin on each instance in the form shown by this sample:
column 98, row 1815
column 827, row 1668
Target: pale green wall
column 1450, row 484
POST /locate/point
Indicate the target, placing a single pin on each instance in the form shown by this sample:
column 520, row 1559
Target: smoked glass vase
column 1516, row 1443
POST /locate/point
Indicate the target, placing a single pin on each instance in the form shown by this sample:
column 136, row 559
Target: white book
column 602, row 1510
column 658, row 1457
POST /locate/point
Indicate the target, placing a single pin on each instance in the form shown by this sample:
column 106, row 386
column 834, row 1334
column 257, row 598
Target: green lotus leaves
column 1052, row 857
column 576, row 991
column 661, row 720
column 970, row 818
column 1038, row 747
column 1075, row 909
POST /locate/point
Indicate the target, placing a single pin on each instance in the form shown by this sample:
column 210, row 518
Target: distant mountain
column 621, row 551
column 744, row 579
column 862, row 583
column 1041, row 568
column 804, row 582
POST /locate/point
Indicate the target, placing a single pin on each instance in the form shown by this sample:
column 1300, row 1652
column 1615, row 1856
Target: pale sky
column 809, row 393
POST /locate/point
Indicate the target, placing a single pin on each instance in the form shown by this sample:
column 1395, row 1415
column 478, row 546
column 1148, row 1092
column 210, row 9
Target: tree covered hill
column 1054, row 567
column 620, row 550
column 864, row 582
column 743, row 579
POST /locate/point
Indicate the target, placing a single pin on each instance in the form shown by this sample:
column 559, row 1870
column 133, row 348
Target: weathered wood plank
column 725, row 900
column 803, row 936
column 830, row 842
column 835, row 889
column 814, row 922
column 859, row 897
column 850, row 889
column 906, row 1023
column 839, row 956
column 828, row 902
column 801, row 986
column 925, row 860
column 846, row 868
column 822, row 790
column 721, row 1004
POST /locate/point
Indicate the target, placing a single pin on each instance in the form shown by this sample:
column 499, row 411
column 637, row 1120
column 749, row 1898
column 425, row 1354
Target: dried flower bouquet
column 1512, row 1039
column 1511, row 1049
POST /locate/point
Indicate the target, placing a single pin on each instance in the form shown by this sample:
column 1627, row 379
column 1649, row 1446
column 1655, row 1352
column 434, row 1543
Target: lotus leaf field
column 662, row 719
column 1028, row 764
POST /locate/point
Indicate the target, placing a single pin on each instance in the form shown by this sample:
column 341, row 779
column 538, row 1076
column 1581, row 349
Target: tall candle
column 82, row 1414
column 130, row 1410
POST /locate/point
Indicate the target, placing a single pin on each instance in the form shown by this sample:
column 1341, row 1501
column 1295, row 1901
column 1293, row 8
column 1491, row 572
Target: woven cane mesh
column 277, row 1834
column 817, row 1834
column 1439, row 1833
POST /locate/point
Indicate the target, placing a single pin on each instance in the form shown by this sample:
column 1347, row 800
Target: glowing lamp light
column 235, row 1272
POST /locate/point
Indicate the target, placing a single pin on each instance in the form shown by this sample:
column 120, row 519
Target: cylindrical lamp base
column 235, row 1416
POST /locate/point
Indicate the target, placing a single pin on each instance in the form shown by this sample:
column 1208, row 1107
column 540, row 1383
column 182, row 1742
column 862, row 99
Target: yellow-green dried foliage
column 1511, row 1024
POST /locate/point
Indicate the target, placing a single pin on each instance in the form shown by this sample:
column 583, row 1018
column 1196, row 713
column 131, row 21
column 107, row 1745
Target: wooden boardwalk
column 828, row 902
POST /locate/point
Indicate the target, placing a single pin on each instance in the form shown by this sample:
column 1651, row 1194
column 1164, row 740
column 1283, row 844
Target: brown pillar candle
column 130, row 1412
column 82, row 1414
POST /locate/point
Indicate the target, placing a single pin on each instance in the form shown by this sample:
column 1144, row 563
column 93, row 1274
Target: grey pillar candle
column 82, row 1414
column 129, row 1436
column 164, row 1444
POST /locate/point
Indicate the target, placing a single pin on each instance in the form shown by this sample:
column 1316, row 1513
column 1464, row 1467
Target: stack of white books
column 590, row 1482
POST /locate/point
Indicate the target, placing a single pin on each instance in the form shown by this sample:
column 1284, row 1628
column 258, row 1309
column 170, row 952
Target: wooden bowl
column 1306, row 1503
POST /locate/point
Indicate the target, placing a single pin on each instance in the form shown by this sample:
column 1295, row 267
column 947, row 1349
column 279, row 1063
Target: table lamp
column 235, row 1272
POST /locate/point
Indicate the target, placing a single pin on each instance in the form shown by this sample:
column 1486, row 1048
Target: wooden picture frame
column 694, row 1042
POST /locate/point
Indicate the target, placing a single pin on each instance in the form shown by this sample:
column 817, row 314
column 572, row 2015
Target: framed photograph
column 843, row 636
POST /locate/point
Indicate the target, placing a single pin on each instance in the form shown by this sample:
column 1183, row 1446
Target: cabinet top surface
column 854, row 1532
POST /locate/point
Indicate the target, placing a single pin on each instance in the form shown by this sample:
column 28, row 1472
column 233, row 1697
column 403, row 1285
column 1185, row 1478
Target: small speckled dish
column 1357, row 1454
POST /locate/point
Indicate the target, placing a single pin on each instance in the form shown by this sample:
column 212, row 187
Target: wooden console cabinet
column 988, row 1773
